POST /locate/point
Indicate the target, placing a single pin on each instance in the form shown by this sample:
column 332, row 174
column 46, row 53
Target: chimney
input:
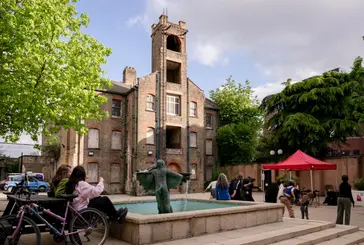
column 129, row 75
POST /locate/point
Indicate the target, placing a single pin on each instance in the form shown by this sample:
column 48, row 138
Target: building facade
column 162, row 115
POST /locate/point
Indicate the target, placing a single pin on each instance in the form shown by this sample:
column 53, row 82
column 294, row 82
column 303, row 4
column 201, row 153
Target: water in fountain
column 185, row 203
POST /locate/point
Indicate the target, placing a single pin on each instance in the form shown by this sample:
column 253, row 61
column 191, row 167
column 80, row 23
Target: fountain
column 170, row 218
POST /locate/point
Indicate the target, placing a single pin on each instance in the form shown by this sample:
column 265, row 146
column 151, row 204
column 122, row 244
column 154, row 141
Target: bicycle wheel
column 93, row 227
column 29, row 232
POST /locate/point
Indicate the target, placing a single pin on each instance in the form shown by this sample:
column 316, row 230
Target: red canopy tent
column 300, row 161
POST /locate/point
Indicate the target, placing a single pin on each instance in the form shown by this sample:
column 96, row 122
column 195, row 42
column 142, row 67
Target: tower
column 170, row 61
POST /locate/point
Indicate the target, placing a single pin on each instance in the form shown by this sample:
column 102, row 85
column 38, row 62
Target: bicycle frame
column 30, row 208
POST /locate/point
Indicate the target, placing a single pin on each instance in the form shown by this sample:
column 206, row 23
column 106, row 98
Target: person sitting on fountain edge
column 89, row 196
column 222, row 188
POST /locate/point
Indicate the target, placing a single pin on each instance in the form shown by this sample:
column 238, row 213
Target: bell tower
column 169, row 49
column 169, row 59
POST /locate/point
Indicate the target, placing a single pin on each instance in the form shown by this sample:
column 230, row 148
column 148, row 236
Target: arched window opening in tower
column 173, row 43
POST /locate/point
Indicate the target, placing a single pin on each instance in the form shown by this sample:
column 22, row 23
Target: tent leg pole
column 311, row 180
column 290, row 175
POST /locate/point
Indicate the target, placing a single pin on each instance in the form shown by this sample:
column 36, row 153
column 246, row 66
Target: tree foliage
column 240, row 120
column 320, row 110
column 49, row 69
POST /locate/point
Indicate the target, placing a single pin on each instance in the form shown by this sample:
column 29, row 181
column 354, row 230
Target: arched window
column 93, row 172
column 193, row 109
column 116, row 140
column 93, row 138
column 150, row 102
column 150, row 136
column 193, row 139
column 173, row 43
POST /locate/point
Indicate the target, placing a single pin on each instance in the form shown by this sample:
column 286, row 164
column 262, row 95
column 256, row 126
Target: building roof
column 209, row 104
column 118, row 88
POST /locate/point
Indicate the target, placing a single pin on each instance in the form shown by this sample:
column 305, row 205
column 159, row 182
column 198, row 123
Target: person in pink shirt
column 89, row 196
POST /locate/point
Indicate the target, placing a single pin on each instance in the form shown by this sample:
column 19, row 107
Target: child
column 305, row 200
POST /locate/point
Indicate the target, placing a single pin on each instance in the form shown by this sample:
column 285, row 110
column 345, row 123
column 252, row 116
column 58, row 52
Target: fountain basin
column 144, row 226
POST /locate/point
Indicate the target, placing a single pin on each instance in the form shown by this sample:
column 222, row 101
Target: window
column 173, row 43
column 173, row 72
column 193, row 109
column 208, row 147
column 208, row 120
column 93, row 138
column 193, row 171
column 116, row 108
column 92, row 172
column 116, row 140
column 193, row 139
column 150, row 102
column 173, row 105
column 115, row 173
column 150, row 136
column 173, row 137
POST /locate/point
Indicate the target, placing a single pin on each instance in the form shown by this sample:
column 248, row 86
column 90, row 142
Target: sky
column 263, row 41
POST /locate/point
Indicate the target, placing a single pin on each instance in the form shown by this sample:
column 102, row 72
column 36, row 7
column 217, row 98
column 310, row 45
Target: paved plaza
column 321, row 213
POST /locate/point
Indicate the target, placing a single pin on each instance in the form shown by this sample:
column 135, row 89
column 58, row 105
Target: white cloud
column 288, row 39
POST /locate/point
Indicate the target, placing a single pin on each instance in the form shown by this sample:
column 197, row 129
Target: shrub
column 359, row 184
column 285, row 179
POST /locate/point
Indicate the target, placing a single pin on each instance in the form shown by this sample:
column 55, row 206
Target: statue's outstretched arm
column 153, row 166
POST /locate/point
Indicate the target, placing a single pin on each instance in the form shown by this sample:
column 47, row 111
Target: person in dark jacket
column 344, row 202
column 248, row 188
column 237, row 187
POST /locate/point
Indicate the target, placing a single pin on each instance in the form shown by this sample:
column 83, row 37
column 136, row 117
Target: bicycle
column 19, row 225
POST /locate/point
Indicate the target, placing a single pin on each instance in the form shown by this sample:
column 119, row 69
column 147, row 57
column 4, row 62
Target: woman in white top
column 89, row 196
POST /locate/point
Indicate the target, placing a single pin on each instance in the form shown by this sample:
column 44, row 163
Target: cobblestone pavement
column 324, row 213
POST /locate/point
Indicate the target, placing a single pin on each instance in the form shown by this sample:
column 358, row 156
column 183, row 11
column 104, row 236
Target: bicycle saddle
column 69, row 196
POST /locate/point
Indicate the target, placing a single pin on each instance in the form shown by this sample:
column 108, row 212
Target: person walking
column 288, row 197
column 222, row 188
column 344, row 202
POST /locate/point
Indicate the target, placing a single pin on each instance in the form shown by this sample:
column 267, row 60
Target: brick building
column 155, row 110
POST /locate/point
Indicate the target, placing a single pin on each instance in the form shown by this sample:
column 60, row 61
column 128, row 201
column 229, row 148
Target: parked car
column 34, row 183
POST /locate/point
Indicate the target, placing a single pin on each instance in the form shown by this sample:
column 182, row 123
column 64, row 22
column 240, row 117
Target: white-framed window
column 150, row 136
column 193, row 171
column 115, row 175
column 208, row 147
column 116, row 108
column 193, row 139
column 173, row 105
column 92, row 172
column 193, row 109
column 208, row 120
column 93, row 138
column 116, row 140
column 150, row 102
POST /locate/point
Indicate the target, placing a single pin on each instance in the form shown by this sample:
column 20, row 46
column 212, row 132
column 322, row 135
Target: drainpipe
column 125, row 142
column 158, row 119
column 188, row 127
column 135, row 131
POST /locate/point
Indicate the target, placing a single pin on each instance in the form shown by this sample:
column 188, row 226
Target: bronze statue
column 160, row 180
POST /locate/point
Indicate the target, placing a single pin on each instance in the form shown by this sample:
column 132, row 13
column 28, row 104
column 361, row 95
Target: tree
column 240, row 121
column 49, row 69
column 319, row 111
